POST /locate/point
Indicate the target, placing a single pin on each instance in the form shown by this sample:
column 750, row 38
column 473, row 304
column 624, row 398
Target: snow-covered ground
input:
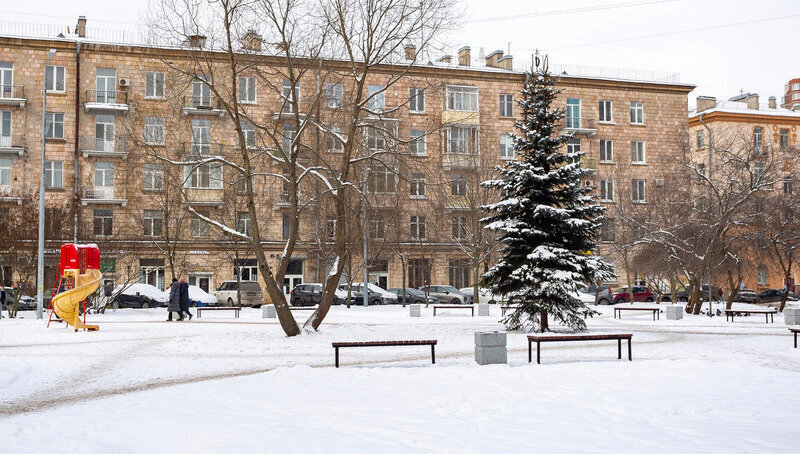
column 141, row 384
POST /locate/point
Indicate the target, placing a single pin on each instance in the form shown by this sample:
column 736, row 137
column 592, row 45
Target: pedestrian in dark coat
column 184, row 298
column 174, row 304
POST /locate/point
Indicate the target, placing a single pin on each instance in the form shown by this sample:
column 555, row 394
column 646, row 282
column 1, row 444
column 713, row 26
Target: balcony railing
column 107, row 96
column 13, row 144
column 578, row 125
column 202, row 149
column 93, row 146
column 12, row 95
column 106, row 195
column 202, row 105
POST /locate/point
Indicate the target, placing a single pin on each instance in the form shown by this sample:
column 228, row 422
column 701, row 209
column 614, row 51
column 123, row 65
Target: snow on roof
column 739, row 107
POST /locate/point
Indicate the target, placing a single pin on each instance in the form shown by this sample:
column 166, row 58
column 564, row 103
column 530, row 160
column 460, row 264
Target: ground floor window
column 294, row 275
column 151, row 271
column 246, row 268
column 762, row 275
column 201, row 280
column 459, row 273
column 419, row 273
column 379, row 273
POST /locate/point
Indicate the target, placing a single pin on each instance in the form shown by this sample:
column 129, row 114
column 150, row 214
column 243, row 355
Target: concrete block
column 415, row 310
column 791, row 315
column 268, row 311
column 674, row 312
column 490, row 338
column 491, row 355
column 483, row 310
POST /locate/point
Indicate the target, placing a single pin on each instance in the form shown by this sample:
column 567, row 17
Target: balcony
column 103, row 195
column 460, row 117
column 7, row 195
column 12, row 95
column 578, row 126
column 13, row 145
column 202, row 105
column 205, row 197
column 103, row 148
column 192, row 150
column 454, row 161
column 106, row 102
column 588, row 163
column 280, row 200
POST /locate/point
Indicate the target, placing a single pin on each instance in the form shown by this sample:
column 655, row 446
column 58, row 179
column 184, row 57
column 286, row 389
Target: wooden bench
column 795, row 331
column 396, row 343
column 508, row 307
column 769, row 314
column 454, row 306
column 655, row 310
column 236, row 309
column 539, row 338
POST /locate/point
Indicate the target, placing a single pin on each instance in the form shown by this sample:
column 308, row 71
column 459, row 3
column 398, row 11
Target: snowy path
column 698, row 384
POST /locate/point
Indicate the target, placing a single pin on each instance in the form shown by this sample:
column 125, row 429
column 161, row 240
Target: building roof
column 740, row 108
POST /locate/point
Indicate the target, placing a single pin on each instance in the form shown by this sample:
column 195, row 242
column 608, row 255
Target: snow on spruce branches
column 547, row 221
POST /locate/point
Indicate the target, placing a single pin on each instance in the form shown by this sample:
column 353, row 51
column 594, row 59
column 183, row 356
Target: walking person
column 174, row 304
column 184, row 298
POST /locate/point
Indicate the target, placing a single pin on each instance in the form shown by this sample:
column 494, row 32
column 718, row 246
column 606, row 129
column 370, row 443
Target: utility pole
column 40, row 264
column 364, row 235
column 709, row 212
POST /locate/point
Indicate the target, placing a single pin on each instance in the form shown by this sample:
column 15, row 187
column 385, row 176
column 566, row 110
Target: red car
column 640, row 293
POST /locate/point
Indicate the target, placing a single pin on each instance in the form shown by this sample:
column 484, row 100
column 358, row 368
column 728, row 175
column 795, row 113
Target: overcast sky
column 742, row 44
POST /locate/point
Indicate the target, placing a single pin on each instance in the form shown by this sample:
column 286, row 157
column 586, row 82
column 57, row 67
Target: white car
column 198, row 297
column 376, row 294
column 251, row 293
column 485, row 295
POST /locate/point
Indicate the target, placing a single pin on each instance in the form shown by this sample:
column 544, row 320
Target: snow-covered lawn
column 141, row 384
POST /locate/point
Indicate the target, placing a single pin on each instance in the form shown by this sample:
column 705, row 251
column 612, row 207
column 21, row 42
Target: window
column 104, row 133
column 103, row 174
column 54, row 125
column 459, row 227
column 153, row 177
column 462, row 98
column 333, row 94
column 330, row 227
column 758, row 140
column 606, row 150
column 607, row 190
column 290, row 97
column 605, row 110
column 154, row 84
column 573, row 146
column 458, row 184
column 376, row 139
column 199, row 228
column 201, row 137
column 286, row 226
column 795, row 86
column 506, row 147
column 377, row 98
column 460, row 271
column 417, row 182
column 607, row 230
column 419, row 273
column 243, row 222
column 637, row 152
column 783, row 138
column 54, row 174
column 418, row 226
column 106, row 84
column 701, row 139
column 701, row 172
column 758, row 169
column 5, row 129
column 762, row 275
column 787, row 185
column 249, row 133
column 377, row 227
column 154, row 130
column 5, row 171
column 103, row 222
column 637, row 113
column 201, row 91
column 416, row 100
column 203, row 176
column 417, row 145
column 54, row 78
column 795, row 96
column 638, row 187
column 506, row 105
column 247, row 90
column 332, row 142
column 462, row 140
column 288, row 132
column 382, row 180
column 573, row 113
column 153, row 222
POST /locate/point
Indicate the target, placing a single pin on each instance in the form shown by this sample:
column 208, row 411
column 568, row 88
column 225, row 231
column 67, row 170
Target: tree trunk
column 786, row 278
column 543, row 320
column 673, row 290
column 734, row 291
column 476, row 277
column 403, row 265
column 696, row 297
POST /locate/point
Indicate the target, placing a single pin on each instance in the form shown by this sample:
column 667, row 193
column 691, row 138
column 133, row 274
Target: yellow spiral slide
column 67, row 304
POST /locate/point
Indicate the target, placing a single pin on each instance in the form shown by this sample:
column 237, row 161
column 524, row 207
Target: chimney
column 773, row 103
column 491, row 59
column 445, row 59
column 196, row 41
column 705, row 103
column 752, row 102
column 506, row 62
column 464, row 58
column 252, row 41
column 80, row 29
column 411, row 52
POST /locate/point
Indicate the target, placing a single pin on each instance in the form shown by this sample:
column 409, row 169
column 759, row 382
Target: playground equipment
column 79, row 276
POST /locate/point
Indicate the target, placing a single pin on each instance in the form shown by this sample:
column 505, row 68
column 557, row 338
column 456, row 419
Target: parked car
column 774, row 296
column 746, row 295
column 26, row 303
column 413, row 296
column 485, row 296
column 682, row 294
column 311, row 294
column 604, row 296
column 375, row 294
column 251, row 293
column 640, row 293
column 140, row 296
column 199, row 298
column 447, row 294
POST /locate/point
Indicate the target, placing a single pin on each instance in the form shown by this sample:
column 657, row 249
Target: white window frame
column 606, row 107
column 607, row 190
column 461, row 98
column 470, row 140
column 249, row 85
column 419, row 226
column 54, row 119
column 382, row 180
column 459, row 227
column 250, row 136
column 458, row 184
column 416, row 100
column 572, row 118
column 154, row 130
column 637, row 113
column 150, row 223
column 758, row 140
column 51, row 80
column 606, row 150
column 375, row 138
column 701, row 139
column 105, row 220
column 154, row 85
column 289, row 98
column 334, row 94
column 376, row 98
column 53, row 173
column 199, row 228
column 506, row 105
column 418, row 144
column 332, row 143
column 153, row 179
column 418, row 186
column 194, row 175
column 639, row 191
column 641, row 152
column 506, row 147
column 243, row 222
column 5, row 171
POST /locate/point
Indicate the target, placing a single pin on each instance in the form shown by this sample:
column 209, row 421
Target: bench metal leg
column 538, row 352
column 619, row 348
column 630, row 358
column 337, row 355
column 529, row 347
column 433, row 354
column 795, row 340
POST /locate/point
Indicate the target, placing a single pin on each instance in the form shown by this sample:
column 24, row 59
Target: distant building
column 791, row 98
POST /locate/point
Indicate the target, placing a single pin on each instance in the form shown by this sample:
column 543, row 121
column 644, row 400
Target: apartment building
column 791, row 96
column 111, row 107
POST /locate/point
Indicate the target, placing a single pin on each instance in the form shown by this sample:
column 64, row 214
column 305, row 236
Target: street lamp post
column 364, row 237
column 40, row 259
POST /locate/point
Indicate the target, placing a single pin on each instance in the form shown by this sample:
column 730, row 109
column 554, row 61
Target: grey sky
column 757, row 57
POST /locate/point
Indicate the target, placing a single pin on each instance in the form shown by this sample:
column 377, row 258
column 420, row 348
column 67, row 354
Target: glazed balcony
column 12, row 95
column 106, row 102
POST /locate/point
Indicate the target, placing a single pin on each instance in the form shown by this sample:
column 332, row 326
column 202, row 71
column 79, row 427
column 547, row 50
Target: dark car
column 310, row 295
column 26, row 303
column 682, row 294
column 374, row 297
column 137, row 301
column 640, row 293
column 413, row 296
column 774, row 296
column 746, row 296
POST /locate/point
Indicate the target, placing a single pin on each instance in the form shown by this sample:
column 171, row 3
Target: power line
column 19, row 13
column 571, row 11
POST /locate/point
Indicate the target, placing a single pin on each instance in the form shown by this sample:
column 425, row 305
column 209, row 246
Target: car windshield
column 414, row 292
column 448, row 288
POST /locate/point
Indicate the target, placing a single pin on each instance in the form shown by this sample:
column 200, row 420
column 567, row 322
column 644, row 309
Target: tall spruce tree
column 546, row 220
